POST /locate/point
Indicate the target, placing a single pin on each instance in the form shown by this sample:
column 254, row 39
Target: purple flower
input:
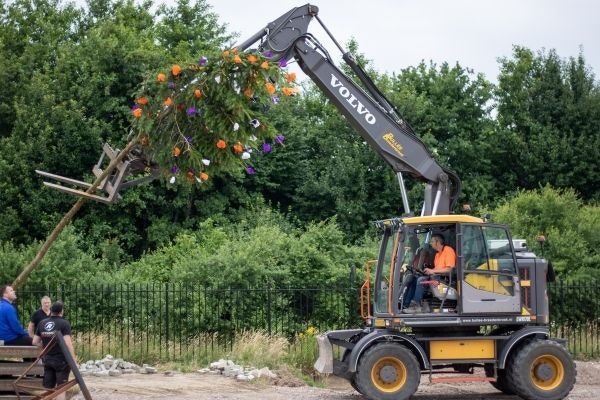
column 250, row 170
column 191, row 111
column 203, row 60
column 266, row 148
column 188, row 139
column 171, row 85
column 275, row 99
column 174, row 169
column 282, row 63
column 268, row 54
column 279, row 139
column 135, row 107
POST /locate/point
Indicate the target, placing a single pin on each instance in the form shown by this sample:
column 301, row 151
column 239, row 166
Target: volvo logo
column 352, row 100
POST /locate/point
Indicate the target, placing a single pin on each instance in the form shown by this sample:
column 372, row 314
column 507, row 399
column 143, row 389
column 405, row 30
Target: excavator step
column 462, row 378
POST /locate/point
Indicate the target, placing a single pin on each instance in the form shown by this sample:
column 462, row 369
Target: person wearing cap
column 11, row 330
column 56, row 367
column 40, row 314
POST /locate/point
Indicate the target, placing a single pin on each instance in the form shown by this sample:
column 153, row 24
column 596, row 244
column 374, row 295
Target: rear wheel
column 542, row 370
column 388, row 371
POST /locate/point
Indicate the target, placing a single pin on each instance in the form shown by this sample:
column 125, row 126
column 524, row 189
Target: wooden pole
column 70, row 214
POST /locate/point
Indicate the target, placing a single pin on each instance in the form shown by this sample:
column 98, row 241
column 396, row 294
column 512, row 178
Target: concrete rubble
column 230, row 369
column 110, row 366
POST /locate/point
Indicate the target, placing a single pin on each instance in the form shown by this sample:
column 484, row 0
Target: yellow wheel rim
column 547, row 372
column 388, row 374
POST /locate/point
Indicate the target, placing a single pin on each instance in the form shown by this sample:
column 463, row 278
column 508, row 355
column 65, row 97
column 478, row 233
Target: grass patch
column 293, row 357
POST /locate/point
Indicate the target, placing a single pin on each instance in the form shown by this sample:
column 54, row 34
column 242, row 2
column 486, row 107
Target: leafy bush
column 570, row 227
column 64, row 263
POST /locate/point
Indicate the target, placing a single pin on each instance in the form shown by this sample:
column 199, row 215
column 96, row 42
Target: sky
column 396, row 34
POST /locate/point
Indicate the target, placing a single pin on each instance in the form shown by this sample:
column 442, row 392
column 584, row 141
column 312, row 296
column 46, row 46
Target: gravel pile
column 231, row 369
column 110, row 366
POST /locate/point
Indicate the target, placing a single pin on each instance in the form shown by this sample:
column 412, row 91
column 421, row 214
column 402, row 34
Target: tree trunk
column 70, row 214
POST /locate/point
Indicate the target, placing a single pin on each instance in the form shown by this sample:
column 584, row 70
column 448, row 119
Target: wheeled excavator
column 489, row 315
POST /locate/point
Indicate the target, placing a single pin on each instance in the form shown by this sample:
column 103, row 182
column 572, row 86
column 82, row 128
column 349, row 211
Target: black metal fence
column 185, row 322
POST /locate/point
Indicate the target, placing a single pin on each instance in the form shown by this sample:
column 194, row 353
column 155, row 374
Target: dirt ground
column 195, row 386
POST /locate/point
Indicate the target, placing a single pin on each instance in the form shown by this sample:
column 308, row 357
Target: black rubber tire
column 388, row 371
column 352, row 379
column 542, row 370
column 502, row 383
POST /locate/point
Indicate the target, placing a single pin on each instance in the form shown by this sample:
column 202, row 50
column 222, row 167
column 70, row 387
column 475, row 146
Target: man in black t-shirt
column 39, row 314
column 56, row 368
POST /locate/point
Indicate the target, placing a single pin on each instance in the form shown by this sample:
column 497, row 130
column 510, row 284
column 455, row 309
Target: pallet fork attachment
column 132, row 164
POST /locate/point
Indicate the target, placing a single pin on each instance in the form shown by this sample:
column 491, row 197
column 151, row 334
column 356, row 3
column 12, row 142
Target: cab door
column 490, row 282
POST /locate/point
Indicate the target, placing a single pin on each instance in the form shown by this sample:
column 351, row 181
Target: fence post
column 269, row 309
column 167, row 319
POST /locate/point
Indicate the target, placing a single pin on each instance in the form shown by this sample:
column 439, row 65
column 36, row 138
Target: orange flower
column 237, row 59
column 176, row 151
column 238, row 148
column 168, row 102
column 190, row 176
column 221, row 144
column 288, row 91
column 197, row 93
column 270, row 88
column 264, row 65
column 161, row 77
column 252, row 59
column 175, row 70
column 248, row 92
column 142, row 101
column 225, row 53
column 137, row 112
column 203, row 176
column 291, row 77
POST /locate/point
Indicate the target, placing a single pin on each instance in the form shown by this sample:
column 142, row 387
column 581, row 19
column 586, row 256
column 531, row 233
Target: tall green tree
column 449, row 108
column 549, row 114
column 79, row 98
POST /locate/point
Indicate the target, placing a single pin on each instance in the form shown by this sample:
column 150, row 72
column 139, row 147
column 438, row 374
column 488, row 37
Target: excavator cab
column 485, row 279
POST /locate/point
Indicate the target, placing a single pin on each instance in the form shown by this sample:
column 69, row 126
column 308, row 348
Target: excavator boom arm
column 368, row 112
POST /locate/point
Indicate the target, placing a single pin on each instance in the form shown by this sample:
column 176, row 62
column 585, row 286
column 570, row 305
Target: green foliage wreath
column 211, row 117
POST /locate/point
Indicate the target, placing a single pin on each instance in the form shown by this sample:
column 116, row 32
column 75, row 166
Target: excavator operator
column 443, row 263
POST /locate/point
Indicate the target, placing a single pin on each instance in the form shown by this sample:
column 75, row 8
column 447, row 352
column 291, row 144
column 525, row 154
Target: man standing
column 443, row 263
column 11, row 330
column 56, row 367
column 38, row 315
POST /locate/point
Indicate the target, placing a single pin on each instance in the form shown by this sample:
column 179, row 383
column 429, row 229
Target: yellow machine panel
column 490, row 283
column 462, row 349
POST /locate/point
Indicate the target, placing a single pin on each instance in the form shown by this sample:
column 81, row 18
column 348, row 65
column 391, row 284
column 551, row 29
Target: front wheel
column 388, row 371
column 542, row 370
column 502, row 383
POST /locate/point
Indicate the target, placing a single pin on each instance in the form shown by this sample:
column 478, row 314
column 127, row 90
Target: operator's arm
column 442, row 270
column 37, row 341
